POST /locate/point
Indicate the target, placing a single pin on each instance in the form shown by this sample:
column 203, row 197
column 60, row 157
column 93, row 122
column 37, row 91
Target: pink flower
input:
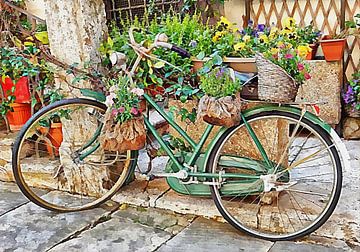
column 109, row 99
column 289, row 56
column 300, row 67
column 137, row 91
column 134, row 111
column 121, row 110
column 114, row 112
column 307, row 76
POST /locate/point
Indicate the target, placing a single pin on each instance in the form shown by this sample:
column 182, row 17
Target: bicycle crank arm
column 182, row 174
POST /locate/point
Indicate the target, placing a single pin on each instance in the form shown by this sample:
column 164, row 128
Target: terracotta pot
column 311, row 55
column 333, row 49
column 20, row 115
column 22, row 92
column 55, row 136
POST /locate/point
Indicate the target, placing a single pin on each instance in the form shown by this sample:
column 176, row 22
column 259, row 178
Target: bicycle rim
column 308, row 182
column 48, row 167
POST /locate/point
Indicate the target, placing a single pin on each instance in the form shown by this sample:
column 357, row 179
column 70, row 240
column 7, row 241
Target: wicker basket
column 274, row 83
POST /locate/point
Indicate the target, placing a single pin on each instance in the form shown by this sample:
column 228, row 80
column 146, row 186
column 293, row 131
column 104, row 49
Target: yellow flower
column 273, row 32
column 263, row 38
column 246, row 38
column 239, row 46
column 224, row 21
column 274, row 51
column 280, row 44
column 288, row 46
column 217, row 36
column 303, row 50
column 289, row 23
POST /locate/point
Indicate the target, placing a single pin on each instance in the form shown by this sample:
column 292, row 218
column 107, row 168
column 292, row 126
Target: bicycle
column 281, row 181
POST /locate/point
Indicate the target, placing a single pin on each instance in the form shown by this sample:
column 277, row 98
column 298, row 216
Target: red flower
column 307, row 76
column 300, row 67
column 121, row 110
column 289, row 56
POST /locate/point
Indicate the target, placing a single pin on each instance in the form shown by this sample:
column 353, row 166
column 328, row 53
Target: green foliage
column 123, row 100
column 308, row 34
column 217, row 80
column 15, row 65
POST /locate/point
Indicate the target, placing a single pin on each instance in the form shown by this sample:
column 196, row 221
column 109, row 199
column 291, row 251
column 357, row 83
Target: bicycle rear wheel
column 64, row 168
column 288, row 197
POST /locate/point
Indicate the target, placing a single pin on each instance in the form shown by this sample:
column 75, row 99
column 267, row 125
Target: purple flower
column 261, row 27
column 349, row 96
column 250, row 22
column 193, row 43
column 220, row 73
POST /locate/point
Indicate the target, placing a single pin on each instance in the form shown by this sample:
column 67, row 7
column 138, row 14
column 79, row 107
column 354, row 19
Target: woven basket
column 274, row 83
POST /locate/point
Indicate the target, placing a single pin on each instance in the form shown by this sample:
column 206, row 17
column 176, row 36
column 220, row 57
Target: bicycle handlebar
column 160, row 41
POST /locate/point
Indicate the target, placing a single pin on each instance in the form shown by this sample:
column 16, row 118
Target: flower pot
column 22, row 92
column 20, row 115
column 55, row 136
column 311, row 55
column 246, row 65
column 333, row 49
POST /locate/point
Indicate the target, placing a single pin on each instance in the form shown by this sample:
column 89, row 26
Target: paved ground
column 150, row 225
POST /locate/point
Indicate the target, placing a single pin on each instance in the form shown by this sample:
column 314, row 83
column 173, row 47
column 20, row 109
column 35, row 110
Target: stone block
column 324, row 86
column 351, row 129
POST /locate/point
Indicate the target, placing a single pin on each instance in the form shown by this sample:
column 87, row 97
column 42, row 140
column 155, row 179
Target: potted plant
column 221, row 103
column 14, row 71
column 333, row 46
column 352, row 96
column 51, row 134
column 123, row 124
column 310, row 36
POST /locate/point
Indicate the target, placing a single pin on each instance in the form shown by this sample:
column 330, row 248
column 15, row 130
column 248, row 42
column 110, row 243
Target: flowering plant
column 352, row 94
column 308, row 34
column 123, row 101
column 220, row 82
column 290, row 60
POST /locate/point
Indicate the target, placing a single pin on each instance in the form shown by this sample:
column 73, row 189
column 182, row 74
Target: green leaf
column 183, row 98
column 159, row 64
column 201, row 55
column 217, row 60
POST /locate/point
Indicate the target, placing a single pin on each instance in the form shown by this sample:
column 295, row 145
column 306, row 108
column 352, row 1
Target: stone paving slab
column 165, row 220
column 10, row 198
column 117, row 234
column 208, row 235
column 31, row 228
column 295, row 247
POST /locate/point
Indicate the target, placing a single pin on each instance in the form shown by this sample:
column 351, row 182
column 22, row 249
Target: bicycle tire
column 224, row 206
column 36, row 195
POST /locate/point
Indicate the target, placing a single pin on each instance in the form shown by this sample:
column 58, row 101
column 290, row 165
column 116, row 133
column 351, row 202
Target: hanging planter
column 19, row 116
column 333, row 49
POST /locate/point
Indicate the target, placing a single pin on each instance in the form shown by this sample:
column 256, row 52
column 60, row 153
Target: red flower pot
column 22, row 92
column 20, row 115
column 55, row 136
column 311, row 55
column 333, row 49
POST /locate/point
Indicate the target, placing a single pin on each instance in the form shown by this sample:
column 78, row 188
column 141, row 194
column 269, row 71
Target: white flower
column 137, row 91
column 109, row 99
column 113, row 88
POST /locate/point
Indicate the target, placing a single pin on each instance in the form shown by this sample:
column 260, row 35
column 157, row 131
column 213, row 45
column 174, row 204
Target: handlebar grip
column 182, row 52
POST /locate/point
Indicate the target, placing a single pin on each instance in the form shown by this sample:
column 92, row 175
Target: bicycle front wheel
column 58, row 162
column 287, row 195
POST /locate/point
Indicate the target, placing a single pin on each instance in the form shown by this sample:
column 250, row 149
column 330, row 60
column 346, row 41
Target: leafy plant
column 217, row 80
column 352, row 95
column 123, row 100
column 308, row 34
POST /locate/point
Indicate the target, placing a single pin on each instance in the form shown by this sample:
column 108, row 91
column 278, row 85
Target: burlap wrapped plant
column 224, row 111
column 221, row 104
column 130, row 135
column 124, row 127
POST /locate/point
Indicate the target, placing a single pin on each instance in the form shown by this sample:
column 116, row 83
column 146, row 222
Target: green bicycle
column 276, row 176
